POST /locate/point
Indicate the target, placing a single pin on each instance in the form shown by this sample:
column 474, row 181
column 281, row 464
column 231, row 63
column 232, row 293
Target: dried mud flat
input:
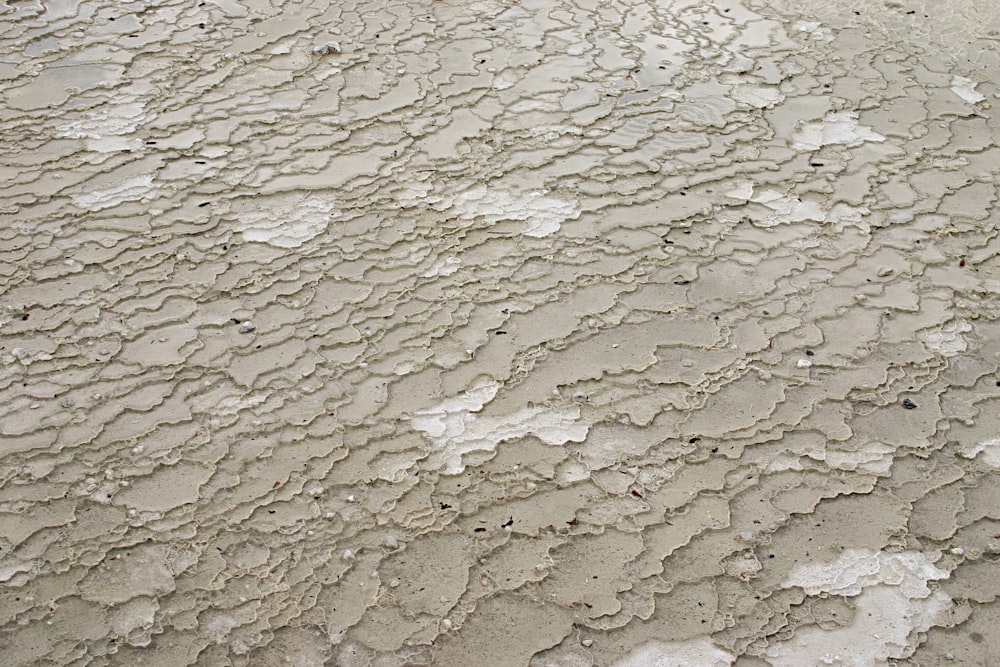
column 602, row 332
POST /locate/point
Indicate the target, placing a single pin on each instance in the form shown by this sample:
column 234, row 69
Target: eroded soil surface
column 457, row 332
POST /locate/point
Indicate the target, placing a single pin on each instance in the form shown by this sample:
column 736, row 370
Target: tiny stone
column 328, row 48
column 908, row 404
column 247, row 327
column 949, row 656
column 803, row 363
column 587, row 642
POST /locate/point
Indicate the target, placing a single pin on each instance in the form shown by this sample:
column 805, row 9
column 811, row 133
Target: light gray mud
column 571, row 333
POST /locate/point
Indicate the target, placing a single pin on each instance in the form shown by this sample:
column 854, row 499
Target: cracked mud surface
column 603, row 332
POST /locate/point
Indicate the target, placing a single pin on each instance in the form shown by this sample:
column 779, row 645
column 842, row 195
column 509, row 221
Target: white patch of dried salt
column 815, row 30
column 987, row 450
column 757, row 97
column 872, row 457
column 839, row 127
column 542, row 214
column 891, row 598
column 455, row 429
column 786, row 209
column 700, row 652
column 948, row 340
column 965, row 88
column 105, row 129
column 132, row 189
column 444, row 267
column 287, row 225
column 741, row 191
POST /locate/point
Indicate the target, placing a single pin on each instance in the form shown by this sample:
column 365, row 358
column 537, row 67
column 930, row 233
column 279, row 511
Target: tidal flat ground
column 546, row 333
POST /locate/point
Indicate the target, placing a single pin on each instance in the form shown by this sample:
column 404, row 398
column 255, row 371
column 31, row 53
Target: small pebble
column 587, row 642
column 803, row 363
column 949, row 656
column 328, row 48
column 247, row 327
column 908, row 404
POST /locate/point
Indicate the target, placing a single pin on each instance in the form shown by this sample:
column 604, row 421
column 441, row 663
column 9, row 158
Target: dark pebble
column 908, row 404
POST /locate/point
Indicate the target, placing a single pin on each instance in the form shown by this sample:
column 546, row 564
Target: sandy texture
column 560, row 333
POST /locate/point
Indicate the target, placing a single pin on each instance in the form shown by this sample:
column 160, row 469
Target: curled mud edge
column 543, row 333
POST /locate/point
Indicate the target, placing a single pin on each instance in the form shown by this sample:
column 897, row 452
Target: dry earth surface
column 545, row 332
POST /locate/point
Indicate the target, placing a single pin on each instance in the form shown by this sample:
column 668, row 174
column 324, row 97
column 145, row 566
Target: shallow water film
column 562, row 333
